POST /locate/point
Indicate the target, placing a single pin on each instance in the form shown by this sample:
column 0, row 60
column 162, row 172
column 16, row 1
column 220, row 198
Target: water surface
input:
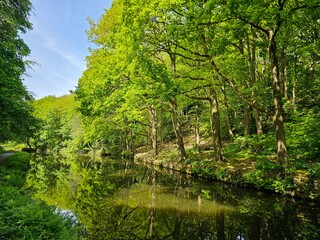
column 112, row 199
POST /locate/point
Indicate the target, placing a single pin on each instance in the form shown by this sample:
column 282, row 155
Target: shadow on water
column 113, row 199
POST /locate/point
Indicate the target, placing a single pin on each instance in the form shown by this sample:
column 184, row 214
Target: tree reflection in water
column 120, row 200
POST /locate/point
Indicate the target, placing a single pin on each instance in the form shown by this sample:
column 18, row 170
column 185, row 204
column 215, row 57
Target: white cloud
column 58, row 43
column 68, row 80
column 55, row 47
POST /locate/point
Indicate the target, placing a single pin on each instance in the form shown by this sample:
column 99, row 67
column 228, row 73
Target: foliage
column 19, row 161
column 267, row 175
column 25, row 218
column 314, row 170
column 215, row 53
column 16, row 120
column 304, row 134
column 59, row 123
column 55, row 132
column 242, row 72
column 21, row 217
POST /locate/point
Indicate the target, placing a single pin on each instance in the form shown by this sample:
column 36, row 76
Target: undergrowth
column 22, row 217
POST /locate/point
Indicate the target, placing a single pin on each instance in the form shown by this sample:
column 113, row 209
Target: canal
column 114, row 199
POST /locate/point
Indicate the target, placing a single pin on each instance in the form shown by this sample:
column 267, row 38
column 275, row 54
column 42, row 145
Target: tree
column 154, row 61
column 15, row 112
column 58, row 123
column 271, row 19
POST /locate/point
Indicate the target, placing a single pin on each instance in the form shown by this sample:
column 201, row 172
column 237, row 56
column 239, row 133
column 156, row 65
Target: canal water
column 114, row 199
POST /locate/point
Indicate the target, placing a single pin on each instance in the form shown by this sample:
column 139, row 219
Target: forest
column 241, row 78
column 224, row 90
column 213, row 82
column 227, row 70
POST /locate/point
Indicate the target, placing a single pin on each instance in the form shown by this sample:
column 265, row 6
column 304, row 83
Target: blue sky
column 59, row 44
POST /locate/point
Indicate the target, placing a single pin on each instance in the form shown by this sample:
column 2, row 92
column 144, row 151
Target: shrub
column 314, row 170
column 22, row 217
column 304, row 134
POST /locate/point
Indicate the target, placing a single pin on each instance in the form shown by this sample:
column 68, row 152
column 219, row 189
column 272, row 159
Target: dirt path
column 3, row 156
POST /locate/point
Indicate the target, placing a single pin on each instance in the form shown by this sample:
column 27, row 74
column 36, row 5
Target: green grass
column 22, row 217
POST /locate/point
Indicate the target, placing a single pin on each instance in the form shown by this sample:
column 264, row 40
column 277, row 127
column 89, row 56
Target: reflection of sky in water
column 66, row 214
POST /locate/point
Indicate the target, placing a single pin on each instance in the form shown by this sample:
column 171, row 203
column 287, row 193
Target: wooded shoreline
column 301, row 186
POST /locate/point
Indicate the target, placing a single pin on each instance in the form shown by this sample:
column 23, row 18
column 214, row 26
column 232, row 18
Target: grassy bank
column 22, row 217
column 246, row 164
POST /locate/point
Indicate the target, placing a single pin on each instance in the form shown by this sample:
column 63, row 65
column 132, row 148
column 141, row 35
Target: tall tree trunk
column 253, row 72
column 132, row 147
column 284, row 73
column 121, row 142
column 214, row 106
column 246, row 109
column 175, row 114
column 161, row 129
column 246, row 119
column 278, row 105
column 228, row 122
column 127, row 141
column 294, row 83
column 258, row 117
column 215, row 125
column 312, row 69
column 177, row 129
column 153, row 115
column 197, row 128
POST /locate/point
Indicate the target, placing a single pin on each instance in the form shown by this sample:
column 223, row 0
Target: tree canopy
column 249, row 66
column 16, row 120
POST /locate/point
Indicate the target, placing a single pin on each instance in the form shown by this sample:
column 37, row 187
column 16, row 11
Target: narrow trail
column 3, row 156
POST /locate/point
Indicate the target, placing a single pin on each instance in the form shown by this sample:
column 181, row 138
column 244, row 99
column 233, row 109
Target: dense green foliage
column 234, row 83
column 58, row 123
column 16, row 120
column 21, row 217
column 218, row 69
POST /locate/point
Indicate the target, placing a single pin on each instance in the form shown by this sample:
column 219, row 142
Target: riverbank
column 244, row 168
column 22, row 217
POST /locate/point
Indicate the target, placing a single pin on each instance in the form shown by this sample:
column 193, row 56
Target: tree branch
column 196, row 88
column 189, row 50
column 254, row 25
column 235, row 89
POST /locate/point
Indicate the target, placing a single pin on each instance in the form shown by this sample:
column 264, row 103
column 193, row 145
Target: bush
column 314, row 170
column 303, row 136
column 22, row 217
column 19, row 161
column 249, row 146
